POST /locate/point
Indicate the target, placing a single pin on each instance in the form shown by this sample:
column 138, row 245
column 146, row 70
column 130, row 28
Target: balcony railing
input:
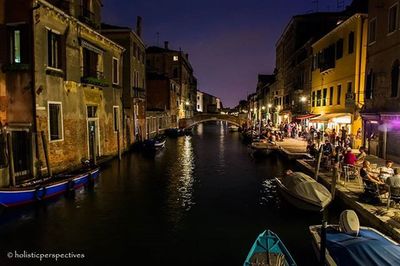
column 93, row 77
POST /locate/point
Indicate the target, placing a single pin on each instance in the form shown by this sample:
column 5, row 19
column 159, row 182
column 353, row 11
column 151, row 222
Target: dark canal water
column 201, row 201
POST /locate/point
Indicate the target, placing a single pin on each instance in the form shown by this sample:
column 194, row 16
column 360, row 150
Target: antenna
column 340, row 4
column 316, row 4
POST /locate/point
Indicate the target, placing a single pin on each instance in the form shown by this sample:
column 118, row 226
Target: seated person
column 387, row 170
column 349, row 158
column 368, row 176
column 327, row 148
column 394, row 180
column 361, row 156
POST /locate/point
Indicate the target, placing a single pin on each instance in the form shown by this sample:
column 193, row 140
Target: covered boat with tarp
column 303, row 191
column 351, row 244
column 268, row 249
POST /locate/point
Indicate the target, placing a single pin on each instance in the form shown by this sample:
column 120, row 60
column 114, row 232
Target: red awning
column 308, row 116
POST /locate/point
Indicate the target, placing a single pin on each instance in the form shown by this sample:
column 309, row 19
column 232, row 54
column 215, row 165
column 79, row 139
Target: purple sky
column 229, row 41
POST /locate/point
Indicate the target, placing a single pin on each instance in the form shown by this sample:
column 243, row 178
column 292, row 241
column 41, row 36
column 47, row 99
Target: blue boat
column 268, row 249
column 40, row 190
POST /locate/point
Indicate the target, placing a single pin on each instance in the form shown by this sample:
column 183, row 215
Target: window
column 55, row 121
column 15, row 46
column 313, row 99
column 325, row 92
column 331, row 96
column 395, row 79
column 115, row 71
column 339, row 94
column 90, row 64
column 92, row 111
column 339, row 49
column 372, row 31
column 319, row 98
column 53, row 49
column 116, row 118
column 175, row 58
column 393, row 18
column 351, row 42
column 369, row 90
column 175, row 72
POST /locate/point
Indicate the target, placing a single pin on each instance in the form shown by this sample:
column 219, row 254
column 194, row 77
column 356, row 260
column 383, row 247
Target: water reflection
column 182, row 179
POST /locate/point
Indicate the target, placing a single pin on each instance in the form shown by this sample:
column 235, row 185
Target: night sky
column 229, row 41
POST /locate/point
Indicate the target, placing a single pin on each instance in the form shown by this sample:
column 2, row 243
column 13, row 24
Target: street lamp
column 187, row 103
column 303, row 99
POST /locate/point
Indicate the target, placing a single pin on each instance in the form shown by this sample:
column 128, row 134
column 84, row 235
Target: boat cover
column 368, row 248
column 307, row 188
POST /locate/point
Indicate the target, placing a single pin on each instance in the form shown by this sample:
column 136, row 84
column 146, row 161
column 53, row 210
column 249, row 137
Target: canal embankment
column 377, row 215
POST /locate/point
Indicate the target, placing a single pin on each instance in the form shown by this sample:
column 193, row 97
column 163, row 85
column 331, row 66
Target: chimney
column 166, row 45
column 139, row 26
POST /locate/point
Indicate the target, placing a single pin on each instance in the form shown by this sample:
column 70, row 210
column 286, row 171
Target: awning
column 307, row 116
column 340, row 118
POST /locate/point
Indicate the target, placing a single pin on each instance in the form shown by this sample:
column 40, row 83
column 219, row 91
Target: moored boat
column 47, row 188
column 303, row 191
column 268, row 249
column 262, row 148
column 155, row 144
column 351, row 244
column 233, row 128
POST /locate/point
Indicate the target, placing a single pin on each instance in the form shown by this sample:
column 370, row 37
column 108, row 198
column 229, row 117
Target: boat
column 303, row 191
column 348, row 243
column 268, row 249
column 262, row 148
column 233, row 128
column 154, row 144
column 43, row 189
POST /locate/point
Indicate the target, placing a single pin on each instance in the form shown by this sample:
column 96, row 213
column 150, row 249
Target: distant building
column 338, row 77
column 211, row 104
column 175, row 65
column 133, row 79
column 163, row 96
column 199, row 102
column 381, row 113
column 61, row 78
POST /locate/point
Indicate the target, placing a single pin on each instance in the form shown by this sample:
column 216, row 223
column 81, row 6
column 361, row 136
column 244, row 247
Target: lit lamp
column 269, row 107
column 187, row 103
column 303, row 99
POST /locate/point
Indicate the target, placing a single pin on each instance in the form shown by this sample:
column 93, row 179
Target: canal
column 201, row 201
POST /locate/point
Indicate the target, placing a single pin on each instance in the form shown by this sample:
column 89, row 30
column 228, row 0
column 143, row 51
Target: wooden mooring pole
column 318, row 162
column 46, row 153
column 10, row 160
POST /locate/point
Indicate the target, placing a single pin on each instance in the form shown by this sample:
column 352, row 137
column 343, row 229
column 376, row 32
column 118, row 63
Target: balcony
column 16, row 67
column 138, row 93
column 93, row 77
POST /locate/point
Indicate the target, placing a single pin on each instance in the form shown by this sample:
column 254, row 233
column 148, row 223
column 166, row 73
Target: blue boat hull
column 269, row 242
column 26, row 195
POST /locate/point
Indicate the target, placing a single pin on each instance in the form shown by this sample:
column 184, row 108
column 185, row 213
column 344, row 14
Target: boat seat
column 264, row 259
column 394, row 195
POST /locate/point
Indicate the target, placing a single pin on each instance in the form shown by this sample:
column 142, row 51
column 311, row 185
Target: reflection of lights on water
column 269, row 193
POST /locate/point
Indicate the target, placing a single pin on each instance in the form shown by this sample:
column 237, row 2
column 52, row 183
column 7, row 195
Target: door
column 21, row 146
column 93, row 139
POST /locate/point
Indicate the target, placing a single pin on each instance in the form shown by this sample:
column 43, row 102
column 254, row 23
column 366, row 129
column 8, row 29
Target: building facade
column 199, row 102
column 381, row 113
column 175, row 65
column 338, row 78
column 61, row 81
column 133, row 80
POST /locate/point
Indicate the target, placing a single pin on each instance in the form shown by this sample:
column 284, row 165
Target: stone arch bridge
column 204, row 117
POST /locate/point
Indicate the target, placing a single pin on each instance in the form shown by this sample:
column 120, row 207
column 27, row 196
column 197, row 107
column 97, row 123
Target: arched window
column 395, row 79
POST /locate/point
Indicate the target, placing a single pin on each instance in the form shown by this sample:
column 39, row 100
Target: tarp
column 368, row 248
column 307, row 188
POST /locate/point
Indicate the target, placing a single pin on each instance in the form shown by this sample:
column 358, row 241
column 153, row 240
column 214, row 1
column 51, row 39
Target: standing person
column 343, row 136
column 312, row 133
column 332, row 137
column 319, row 135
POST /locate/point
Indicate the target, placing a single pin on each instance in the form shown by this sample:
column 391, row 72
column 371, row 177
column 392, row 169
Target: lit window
column 175, row 58
column 115, row 71
column 16, row 46
column 55, row 121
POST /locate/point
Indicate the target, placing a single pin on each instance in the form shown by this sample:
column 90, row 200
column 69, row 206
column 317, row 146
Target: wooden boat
column 44, row 189
column 358, row 246
column 233, row 128
column 268, row 249
column 155, row 144
column 303, row 191
column 262, row 148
